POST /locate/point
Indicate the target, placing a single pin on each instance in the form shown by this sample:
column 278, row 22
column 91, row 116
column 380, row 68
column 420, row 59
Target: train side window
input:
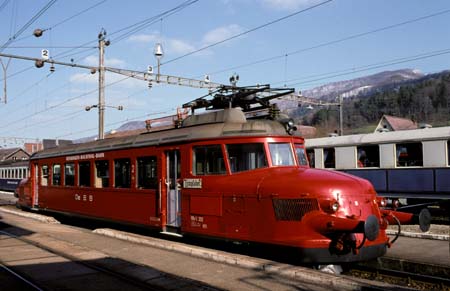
column 101, row 174
column 56, row 175
column 448, row 153
column 368, row 156
column 244, row 157
column 44, row 175
column 409, row 154
column 301, row 155
column 69, row 174
column 84, row 174
column 329, row 158
column 281, row 154
column 147, row 173
column 208, row 160
column 122, row 177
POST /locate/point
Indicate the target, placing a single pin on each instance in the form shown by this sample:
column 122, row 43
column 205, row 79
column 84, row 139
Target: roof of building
column 394, row 123
column 6, row 153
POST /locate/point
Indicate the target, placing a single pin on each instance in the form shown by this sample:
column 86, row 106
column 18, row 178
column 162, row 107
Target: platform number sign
column 150, row 69
column 45, row 54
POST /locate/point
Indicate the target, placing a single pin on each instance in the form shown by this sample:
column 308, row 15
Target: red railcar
column 218, row 175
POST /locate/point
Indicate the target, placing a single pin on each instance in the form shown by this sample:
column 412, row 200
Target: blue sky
column 33, row 110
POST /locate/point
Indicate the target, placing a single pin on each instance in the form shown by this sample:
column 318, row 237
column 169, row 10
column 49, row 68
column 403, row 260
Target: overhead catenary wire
column 65, row 20
column 140, row 24
column 247, row 31
column 375, row 66
column 28, row 24
column 336, row 41
column 3, row 5
column 119, row 122
column 62, row 103
column 79, row 112
column 133, row 27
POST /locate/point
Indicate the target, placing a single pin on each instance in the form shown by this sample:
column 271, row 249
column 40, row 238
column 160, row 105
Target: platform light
column 159, row 53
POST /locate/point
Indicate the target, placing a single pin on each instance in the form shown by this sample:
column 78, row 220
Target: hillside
column 425, row 100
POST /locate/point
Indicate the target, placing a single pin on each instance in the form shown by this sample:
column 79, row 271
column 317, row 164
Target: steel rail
column 125, row 278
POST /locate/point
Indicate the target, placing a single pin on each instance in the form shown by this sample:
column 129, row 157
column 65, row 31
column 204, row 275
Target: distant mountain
column 131, row 125
column 384, row 82
column 364, row 85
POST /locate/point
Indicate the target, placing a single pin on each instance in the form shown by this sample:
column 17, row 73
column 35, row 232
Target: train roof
column 437, row 133
column 218, row 124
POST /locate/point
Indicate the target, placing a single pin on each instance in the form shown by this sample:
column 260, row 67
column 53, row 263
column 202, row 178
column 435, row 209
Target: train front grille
column 293, row 209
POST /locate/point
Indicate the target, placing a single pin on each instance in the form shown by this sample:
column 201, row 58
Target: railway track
column 10, row 280
column 108, row 277
column 400, row 278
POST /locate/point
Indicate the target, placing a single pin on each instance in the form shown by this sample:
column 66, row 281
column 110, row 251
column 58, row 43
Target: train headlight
column 334, row 206
column 382, row 202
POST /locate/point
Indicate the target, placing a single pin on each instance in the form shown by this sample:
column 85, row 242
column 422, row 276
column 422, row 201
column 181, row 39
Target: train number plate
column 192, row 183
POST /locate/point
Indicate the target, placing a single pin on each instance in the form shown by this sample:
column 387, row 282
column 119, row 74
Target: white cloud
column 221, row 33
column 143, row 38
column 110, row 62
column 286, row 4
column 178, row 46
column 84, row 78
column 110, row 78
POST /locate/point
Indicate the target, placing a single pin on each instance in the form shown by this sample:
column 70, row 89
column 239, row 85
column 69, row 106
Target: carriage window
column 69, row 174
column 122, row 177
column 329, row 158
column 368, row 156
column 301, row 155
column 208, row 160
column 244, row 157
column 56, row 175
column 281, row 154
column 409, row 154
column 44, row 175
column 84, row 174
column 147, row 174
column 448, row 152
column 101, row 174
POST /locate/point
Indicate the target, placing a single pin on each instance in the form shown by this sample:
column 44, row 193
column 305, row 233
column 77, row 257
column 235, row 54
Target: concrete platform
column 147, row 262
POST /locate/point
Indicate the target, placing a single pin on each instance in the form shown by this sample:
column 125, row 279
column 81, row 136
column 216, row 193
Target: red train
column 219, row 174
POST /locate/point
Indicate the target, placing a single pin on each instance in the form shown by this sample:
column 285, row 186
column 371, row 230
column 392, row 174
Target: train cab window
column 84, row 174
column 147, row 173
column 281, row 154
column 56, row 175
column 329, row 158
column 208, row 160
column 244, row 157
column 301, row 155
column 101, row 174
column 69, row 174
column 368, row 156
column 409, row 154
column 44, row 175
column 122, row 177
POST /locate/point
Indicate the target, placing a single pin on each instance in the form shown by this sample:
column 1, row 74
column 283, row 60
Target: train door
column 173, row 173
column 35, row 187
